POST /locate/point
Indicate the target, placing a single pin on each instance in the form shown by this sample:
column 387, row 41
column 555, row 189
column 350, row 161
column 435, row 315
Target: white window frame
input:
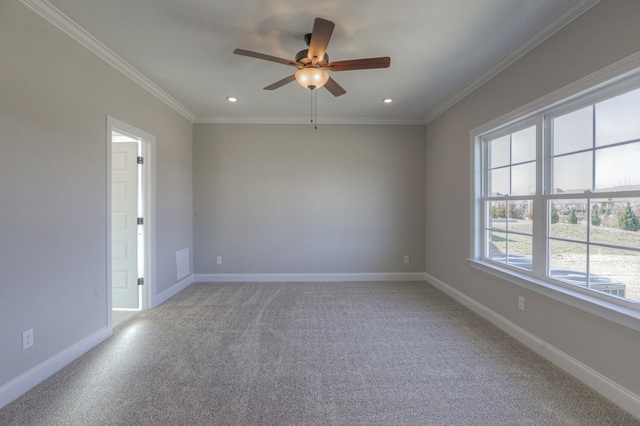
column 537, row 219
column 618, row 78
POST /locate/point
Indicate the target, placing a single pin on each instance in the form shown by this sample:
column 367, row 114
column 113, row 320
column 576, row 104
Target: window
column 557, row 195
column 511, row 182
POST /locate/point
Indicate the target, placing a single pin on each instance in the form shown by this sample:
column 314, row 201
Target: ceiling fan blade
column 334, row 88
column 320, row 36
column 360, row 64
column 281, row 83
column 265, row 57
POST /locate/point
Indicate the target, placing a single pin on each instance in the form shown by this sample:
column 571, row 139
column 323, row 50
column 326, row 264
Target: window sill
column 599, row 307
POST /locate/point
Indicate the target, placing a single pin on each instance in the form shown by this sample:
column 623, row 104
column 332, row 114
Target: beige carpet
column 392, row 353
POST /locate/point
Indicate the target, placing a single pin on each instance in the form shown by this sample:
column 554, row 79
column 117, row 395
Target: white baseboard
column 609, row 389
column 21, row 384
column 32, row 377
column 601, row 384
column 173, row 290
column 365, row 276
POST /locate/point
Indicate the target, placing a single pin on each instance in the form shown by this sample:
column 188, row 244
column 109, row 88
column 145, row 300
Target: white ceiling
column 440, row 50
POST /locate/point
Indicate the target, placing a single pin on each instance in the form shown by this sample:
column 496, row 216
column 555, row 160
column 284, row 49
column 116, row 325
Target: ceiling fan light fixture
column 312, row 78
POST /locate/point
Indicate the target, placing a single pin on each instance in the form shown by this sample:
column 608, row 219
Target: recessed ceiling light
column 232, row 99
column 387, row 100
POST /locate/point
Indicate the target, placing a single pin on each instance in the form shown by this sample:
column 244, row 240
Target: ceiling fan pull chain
column 315, row 109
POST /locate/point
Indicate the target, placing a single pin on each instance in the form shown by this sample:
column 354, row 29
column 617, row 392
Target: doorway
column 130, row 251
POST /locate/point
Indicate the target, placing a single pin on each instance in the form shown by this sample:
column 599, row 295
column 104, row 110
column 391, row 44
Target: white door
column 124, row 225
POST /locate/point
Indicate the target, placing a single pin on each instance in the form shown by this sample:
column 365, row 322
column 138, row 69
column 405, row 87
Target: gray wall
column 54, row 99
column 290, row 199
column 605, row 34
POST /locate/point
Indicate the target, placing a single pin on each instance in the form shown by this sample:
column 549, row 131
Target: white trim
column 305, row 120
column 365, row 276
column 619, row 395
column 32, row 377
column 150, row 218
column 68, row 26
column 172, row 291
column 75, row 31
column 563, row 19
column 597, row 306
column 149, row 140
column 107, row 237
column 620, row 74
column 625, row 68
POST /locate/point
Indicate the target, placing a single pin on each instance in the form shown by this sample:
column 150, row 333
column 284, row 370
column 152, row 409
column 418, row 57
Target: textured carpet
column 389, row 353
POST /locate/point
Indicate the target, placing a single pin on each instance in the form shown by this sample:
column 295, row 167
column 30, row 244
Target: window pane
column 523, row 179
column 612, row 222
column 512, row 249
column 521, row 215
column 615, row 271
column 523, row 145
column 617, row 119
column 568, row 219
column 500, row 152
column 568, row 262
column 572, row 173
column 498, row 215
column 498, row 246
column 618, row 168
column 573, row 132
column 520, row 251
column 499, row 183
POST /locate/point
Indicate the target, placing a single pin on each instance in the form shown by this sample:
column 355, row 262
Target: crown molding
column 306, row 120
column 61, row 21
column 555, row 25
column 75, row 31
column 626, row 68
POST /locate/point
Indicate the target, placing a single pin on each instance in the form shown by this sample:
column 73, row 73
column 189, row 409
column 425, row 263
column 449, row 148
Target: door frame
column 149, row 178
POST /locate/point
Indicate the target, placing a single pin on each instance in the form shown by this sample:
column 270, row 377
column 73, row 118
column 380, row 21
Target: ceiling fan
column 313, row 63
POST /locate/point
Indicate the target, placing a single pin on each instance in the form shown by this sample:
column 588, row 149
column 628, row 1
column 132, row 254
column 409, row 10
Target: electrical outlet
column 521, row 303
column 27, row 339
column 406, row 259
column 219, row 260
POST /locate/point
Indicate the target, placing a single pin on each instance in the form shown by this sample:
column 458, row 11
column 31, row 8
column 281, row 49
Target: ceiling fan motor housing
column 302, row 57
